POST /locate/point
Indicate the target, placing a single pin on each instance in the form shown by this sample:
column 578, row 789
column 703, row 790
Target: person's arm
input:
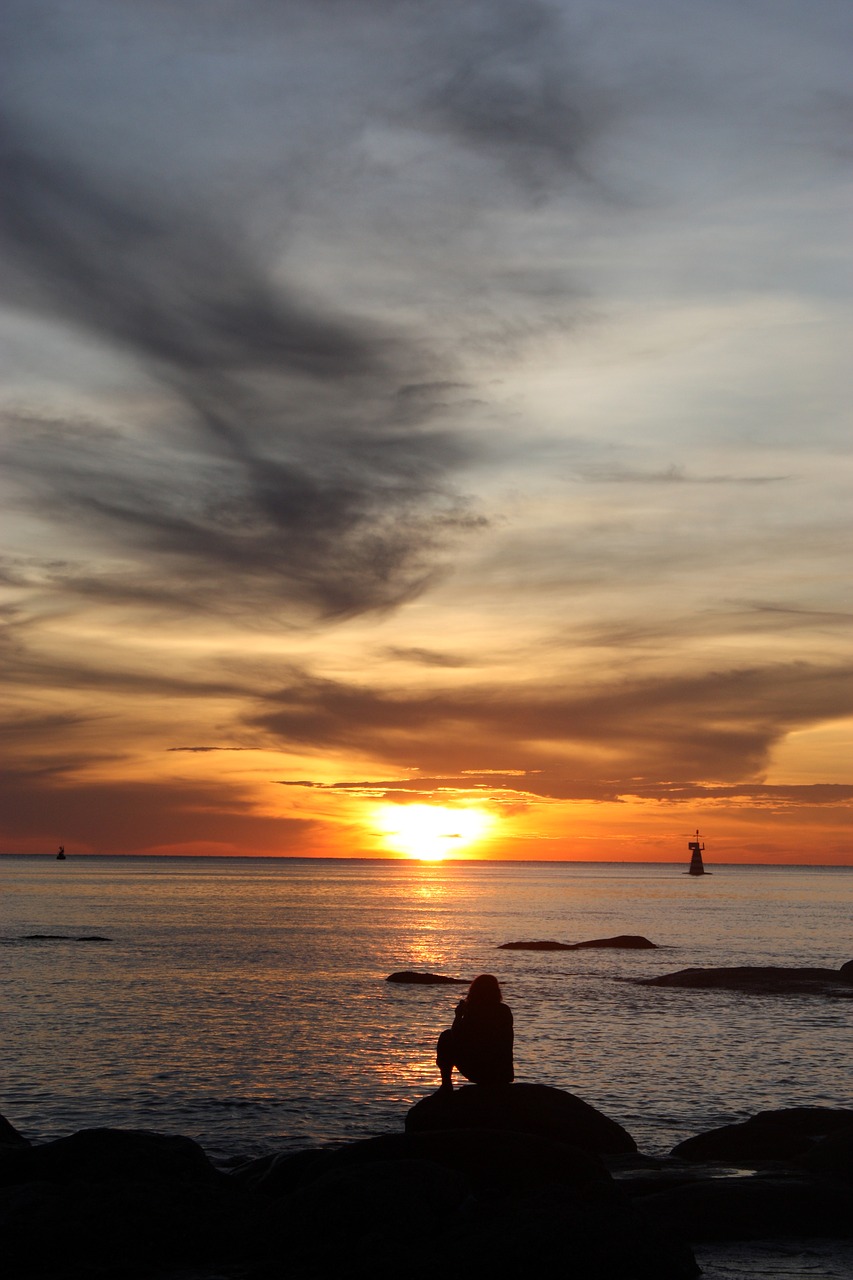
column 459, row 1015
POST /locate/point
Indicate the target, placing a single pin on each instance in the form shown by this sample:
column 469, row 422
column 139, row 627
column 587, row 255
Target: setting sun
column 430, row 832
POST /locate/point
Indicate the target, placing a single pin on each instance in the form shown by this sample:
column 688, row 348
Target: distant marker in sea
column 696, row 847
column 60, row 857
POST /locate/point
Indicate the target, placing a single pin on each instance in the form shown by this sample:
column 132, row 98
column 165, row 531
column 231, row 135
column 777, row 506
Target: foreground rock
column 767, row 980
column 522, row 1108
column 802, row 1185
column 623, row 941
column 788, row 1134
column 494, row 1204
column 762, row 1206
column 425, row 979
column 110, row 1203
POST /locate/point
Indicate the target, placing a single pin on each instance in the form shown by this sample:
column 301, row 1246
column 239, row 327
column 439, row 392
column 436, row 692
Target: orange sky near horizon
column 426, row 435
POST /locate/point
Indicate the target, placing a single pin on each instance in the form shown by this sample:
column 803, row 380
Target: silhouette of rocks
column 111, row 1203
column 767, row 980
column 623, row 941
column 752, row 1208
column 831, row 1156
column 787, row 1134
column 426, row 979
column 108, row 1155
column 490, row 1160
column 502, row 1204
column 9, row 1136
column 108, row 1202
column 498, row 1201
column 522, row 1108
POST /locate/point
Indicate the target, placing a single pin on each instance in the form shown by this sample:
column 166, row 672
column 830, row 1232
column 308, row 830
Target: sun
column 429, row 831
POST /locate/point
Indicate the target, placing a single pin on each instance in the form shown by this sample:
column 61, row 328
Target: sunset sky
column 427, row 404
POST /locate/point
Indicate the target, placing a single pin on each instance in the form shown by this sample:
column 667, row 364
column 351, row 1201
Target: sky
column 425, row 428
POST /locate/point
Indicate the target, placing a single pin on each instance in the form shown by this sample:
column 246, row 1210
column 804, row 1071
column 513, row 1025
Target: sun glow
column 430, row 832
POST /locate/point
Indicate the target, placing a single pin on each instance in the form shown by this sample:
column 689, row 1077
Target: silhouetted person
column 479, row 1044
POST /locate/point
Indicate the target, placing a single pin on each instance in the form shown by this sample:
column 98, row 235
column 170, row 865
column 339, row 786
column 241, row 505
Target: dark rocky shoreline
column 522, row 1181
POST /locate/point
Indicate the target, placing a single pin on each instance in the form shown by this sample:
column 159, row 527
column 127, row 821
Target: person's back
column 479, row 1044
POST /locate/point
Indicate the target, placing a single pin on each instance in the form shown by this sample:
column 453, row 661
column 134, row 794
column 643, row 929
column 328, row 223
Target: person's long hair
column 484, row 990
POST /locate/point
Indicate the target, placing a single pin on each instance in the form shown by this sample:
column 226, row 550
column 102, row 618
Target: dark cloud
column 543, row 784
column 137, row 817
column 716, row 726
column 284, row 474
column 516, row 91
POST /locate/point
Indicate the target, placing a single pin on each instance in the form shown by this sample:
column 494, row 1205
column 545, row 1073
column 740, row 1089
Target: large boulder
column 498, row 1204
column 832, row 1156
column 109, row 1155
column 786, row 1134
column 9, row 1136
column 522, row 1108
column 761, row 980
column 107, row 1202
column 490, row 1161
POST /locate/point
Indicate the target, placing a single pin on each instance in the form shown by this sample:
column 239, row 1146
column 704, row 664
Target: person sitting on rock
column 479, row 1044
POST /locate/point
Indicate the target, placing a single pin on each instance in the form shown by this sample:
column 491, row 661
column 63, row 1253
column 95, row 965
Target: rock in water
column 761, row 980
column 622, row 941
column 522, row 1108
column 423, row 979
column 544, row 944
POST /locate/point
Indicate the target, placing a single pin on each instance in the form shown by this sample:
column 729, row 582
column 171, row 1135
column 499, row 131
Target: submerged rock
column 626, row 941
column 522, row 1108
column 762, row 980
column 410, row 975
column 63, row 937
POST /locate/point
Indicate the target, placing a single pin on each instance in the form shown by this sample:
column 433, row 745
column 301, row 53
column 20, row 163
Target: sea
column 244, row 1002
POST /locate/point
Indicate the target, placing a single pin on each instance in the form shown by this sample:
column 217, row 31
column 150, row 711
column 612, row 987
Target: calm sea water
column 244, row 1002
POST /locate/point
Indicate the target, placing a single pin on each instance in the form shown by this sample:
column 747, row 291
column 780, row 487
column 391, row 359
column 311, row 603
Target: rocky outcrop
column 623, row 941
column 762, row 980
column 9, row 1136
column 751, row 1208
column 802, row 1184
column 112, row 1203
column 500, row 1204
column 522, row 1108
column 787, row 1134
column 425, row 979
column 831, row 1156
column 109, row 1155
